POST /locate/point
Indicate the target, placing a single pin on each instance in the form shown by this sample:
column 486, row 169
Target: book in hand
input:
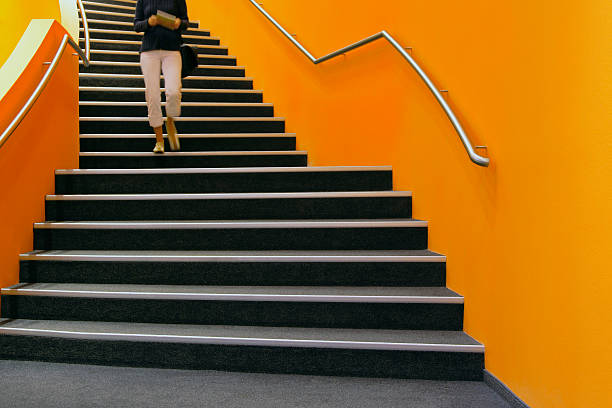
column 166, row 20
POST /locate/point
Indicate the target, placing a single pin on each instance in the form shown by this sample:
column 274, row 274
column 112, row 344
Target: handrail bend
column 479, row 160
column 41, row 85
column 85, row 28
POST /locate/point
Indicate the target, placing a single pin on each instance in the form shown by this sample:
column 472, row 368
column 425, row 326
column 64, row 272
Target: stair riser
column 217, row 183
column 138, row 37
column 202, row 49
column 110, row 25
column 187, row 83
column 186, row 111
column 237, row 273
column 320, row 208
column 166, row 161
column 233, row 239
column 202, row 144
column 399, row 316
column 184, row 127
column 135, row 70
column 108, row 96
column 280, row 360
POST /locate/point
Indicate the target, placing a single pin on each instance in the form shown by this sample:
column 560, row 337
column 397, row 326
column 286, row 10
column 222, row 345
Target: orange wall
column 527, row 238
column 47, row 139
column 15, row 17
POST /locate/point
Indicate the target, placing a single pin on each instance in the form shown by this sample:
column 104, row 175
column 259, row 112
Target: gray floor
column 31, row 384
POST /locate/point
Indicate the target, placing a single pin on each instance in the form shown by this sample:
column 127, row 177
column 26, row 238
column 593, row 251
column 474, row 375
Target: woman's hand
column 177, row 23
column 153, row 21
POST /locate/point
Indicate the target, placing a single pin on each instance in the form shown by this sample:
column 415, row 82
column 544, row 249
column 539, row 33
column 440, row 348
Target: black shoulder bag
column 189, row 55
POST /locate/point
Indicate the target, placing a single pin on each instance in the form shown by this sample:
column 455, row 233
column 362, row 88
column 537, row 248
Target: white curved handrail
column 479, row 160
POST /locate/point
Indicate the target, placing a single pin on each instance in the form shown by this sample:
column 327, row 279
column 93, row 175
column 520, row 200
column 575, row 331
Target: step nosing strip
column 186, row 119
column 197, row 104
column 235, row 297
column 227, row 196
column 139, row 76
column 248, row 341
column 185, row 225
column 238, row 258
column 334, row 169
column 189, row 135
column 136, row 53
column 183, row 90
column 193, row 154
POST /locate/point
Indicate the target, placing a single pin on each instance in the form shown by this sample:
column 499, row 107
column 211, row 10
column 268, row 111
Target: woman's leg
column 171, row 66
column 150, row 63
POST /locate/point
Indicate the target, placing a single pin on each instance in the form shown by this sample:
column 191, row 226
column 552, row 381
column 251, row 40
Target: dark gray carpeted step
column 116, row 15
column 344, row 352
column 95, row 23
column 406, row 308
column 204, row 142
column 352, row 205
column 116, row 8
column 148, row 160
column 134, row 56
column 133, row 68
column 228, row 181
column 125, row 94
column 188, row 109
column 134, row 46
column 124, row 3
column 265, row 268
column 233, row 235
column 127, row 34
column 185, row 125
column 205, row 82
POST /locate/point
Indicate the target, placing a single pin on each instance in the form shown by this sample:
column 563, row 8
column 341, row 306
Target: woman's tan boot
column 159, row 147
column 173, row 138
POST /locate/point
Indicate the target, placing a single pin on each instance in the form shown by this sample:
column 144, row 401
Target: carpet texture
column 42, row 385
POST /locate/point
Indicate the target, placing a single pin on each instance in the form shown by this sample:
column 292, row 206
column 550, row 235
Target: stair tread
column 206, row 104
column 358, row 294
column 233, row 224
column 239, row 196
column 349, row 338
column 310, row 169
column 183, row 90
column 170, row 153
column 215, row 256
column 183, row 119
column 128, row 32
column 188, row 135
column 138, row 76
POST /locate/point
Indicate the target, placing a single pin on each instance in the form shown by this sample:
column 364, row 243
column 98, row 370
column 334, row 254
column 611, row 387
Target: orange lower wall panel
column 528, row 238
column 47, row 139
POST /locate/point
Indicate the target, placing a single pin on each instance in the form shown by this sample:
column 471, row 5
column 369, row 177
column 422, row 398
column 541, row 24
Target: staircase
column 232, row 254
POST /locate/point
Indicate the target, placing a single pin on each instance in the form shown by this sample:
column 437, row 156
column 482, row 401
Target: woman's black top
column 158, row 37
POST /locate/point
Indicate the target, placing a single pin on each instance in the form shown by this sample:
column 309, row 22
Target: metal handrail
column 41, row 85
column 85, row 28
column 479, row 160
